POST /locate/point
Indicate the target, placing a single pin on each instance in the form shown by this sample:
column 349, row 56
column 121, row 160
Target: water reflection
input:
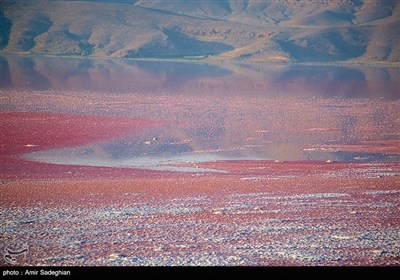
column 5, row 79
column 32, row 79
column 171, row 149
column 133, row 76
column 217, row 111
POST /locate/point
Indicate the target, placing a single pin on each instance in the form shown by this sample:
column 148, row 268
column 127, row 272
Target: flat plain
column 306, row 203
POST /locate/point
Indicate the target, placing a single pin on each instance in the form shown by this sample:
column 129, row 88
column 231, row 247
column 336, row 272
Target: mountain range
column 358, row 31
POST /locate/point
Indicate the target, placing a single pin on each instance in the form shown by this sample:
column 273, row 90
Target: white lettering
column 10, row 272
column 55, row 272
column 31, row 272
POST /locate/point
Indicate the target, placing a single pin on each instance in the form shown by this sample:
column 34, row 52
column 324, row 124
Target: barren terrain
column 308, row 204
column 260, row 30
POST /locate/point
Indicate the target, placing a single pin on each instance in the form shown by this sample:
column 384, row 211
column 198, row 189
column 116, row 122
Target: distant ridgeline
column 362, row 31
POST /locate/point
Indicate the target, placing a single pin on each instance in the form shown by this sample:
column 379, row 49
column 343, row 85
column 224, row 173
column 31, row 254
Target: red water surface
column 258, row 213
column 262, row 213
column 24, row 132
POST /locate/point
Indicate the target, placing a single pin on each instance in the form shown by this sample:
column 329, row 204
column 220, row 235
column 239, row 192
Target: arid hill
column 264, row 30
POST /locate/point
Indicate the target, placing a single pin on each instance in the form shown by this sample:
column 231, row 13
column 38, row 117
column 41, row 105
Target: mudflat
column 93, row 178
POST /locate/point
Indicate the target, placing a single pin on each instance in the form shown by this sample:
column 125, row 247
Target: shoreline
column 215, row 61
column 259, row 213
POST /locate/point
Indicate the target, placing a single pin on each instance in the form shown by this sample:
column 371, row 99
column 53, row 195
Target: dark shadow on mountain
column 327, row 46
column 196, row 9
column 35, row 27
column 329, row 18
column 178, row 45
column 5, row 30
column 106, row 1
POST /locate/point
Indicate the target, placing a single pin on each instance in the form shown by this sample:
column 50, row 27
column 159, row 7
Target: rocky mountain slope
column 253, row 30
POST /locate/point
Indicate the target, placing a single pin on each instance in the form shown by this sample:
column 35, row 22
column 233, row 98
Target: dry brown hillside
column 253, row 30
